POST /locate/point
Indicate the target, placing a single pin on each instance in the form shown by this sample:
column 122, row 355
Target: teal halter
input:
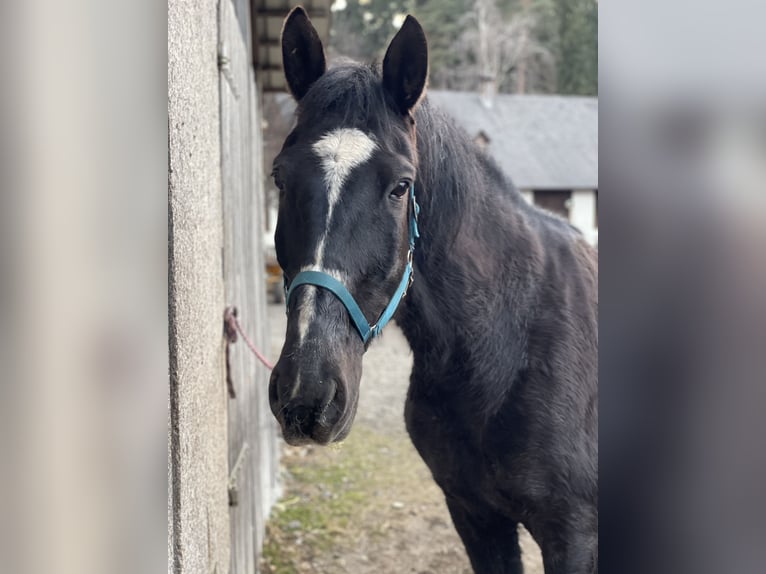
column 321, row 279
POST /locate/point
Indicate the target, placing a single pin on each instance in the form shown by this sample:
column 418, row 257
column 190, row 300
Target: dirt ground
column 369, row 504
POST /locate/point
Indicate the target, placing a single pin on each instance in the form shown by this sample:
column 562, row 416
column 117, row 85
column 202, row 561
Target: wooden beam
column 281, row 13
column 270, row 68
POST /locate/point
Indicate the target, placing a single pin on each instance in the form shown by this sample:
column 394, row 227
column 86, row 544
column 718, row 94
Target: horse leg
column 570, row 550
column 491, row 540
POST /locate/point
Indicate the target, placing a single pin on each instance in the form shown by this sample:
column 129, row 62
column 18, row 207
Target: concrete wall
column 215, row 206
column 199, row 530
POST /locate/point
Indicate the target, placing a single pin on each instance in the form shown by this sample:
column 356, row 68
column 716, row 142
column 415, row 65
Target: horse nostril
column 301, row 414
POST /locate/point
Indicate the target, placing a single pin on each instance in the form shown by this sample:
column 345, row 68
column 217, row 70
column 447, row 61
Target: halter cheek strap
column 326, row 281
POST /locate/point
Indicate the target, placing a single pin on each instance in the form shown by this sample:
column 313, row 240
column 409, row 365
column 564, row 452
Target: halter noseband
column 322, row 279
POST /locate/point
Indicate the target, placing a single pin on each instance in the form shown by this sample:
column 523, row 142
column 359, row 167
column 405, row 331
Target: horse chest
column 446, row 441
column 470, row 459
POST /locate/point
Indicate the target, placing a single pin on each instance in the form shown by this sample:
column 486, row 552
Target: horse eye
column 401, row 188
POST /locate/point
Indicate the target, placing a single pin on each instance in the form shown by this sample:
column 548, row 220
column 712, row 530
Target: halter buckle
column 411, row 278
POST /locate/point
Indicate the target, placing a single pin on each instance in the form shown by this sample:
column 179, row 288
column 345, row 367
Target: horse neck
column 475, row 242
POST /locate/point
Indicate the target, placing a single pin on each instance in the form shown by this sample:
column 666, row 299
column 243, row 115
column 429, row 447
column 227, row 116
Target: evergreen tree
column 445, row 22
column 577, row 61
column 363, row 29
column 548, row 46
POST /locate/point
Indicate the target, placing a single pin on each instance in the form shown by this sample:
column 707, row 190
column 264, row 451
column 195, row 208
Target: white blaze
column 339, row 152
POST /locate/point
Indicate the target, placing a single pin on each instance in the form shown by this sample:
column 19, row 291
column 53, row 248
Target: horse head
column 346, row 177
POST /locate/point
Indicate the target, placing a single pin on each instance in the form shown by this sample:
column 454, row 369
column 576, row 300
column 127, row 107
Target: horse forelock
column 351, row 95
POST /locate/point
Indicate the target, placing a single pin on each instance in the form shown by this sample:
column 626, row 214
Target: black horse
column 501, row 315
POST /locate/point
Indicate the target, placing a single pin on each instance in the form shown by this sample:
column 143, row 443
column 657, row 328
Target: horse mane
column 457, row 177
column 353, row 93
column 463, row 183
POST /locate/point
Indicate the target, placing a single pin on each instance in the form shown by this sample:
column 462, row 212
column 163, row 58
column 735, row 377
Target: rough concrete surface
column 198, row 534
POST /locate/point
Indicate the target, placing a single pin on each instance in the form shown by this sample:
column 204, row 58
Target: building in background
column 548, row 145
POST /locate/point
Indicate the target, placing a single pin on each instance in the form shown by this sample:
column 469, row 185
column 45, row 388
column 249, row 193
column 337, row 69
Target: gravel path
column 391, row 516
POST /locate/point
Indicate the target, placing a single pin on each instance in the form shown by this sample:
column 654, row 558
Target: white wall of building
column 526, row 194
column 582, row 213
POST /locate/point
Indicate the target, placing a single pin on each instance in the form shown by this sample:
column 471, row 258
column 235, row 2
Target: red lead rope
column 232, row 327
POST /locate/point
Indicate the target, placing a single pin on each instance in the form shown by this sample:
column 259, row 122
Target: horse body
column 501, row 316
column 502, row 399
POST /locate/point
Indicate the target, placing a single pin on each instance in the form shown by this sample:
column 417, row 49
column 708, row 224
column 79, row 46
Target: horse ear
column 302, row 53
column 405, row 67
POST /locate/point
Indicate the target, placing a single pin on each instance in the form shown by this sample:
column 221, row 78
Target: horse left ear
column 303, row 58
column 405, row 67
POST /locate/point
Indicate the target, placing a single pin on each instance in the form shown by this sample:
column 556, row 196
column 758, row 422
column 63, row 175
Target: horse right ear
column 405, row 67
column 302, row 53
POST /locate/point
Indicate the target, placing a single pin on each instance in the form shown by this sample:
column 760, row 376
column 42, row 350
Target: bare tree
column 502, row 55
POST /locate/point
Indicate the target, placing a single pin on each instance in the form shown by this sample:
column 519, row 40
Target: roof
column 541, row 142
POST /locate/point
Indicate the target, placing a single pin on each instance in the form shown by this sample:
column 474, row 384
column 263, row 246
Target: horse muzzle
column 312, row 403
